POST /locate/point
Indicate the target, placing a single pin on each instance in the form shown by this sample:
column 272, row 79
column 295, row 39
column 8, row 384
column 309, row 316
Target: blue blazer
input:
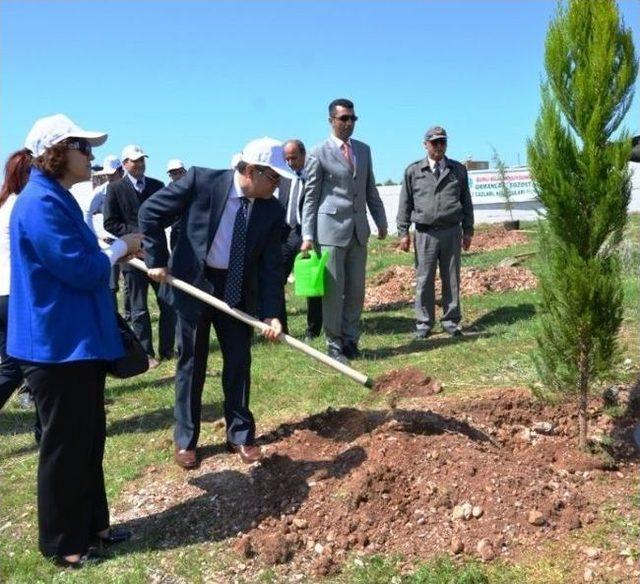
column 197, row 201
column 60, row 306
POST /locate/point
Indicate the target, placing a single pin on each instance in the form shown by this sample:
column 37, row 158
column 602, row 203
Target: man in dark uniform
column 435, row 197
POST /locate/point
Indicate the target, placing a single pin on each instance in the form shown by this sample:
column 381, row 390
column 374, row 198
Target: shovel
column 259, row 325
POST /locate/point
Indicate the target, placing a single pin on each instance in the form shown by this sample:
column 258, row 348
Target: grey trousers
column 344, row 293
column 438, row 248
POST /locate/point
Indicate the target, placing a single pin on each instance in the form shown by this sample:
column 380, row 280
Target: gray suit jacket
column 335, row 203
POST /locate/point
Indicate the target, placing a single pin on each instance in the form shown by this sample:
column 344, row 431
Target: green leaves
column 581, row 178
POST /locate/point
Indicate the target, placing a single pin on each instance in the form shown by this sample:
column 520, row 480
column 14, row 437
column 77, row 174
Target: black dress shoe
column 115, row 535
column 350, row 351
column 339, row 356
column 454, row 332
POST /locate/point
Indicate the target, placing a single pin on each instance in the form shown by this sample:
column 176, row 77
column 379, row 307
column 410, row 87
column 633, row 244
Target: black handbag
column 135, row 360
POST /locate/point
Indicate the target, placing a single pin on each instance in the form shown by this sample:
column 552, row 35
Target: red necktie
column 346, row 152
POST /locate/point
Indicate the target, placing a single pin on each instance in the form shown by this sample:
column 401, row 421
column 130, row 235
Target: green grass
column 287, row 385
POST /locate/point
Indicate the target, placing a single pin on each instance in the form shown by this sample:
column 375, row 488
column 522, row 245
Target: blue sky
column 197, row 80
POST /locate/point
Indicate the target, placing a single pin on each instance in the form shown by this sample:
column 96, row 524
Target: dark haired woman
column 62, row 328
column 16, row 174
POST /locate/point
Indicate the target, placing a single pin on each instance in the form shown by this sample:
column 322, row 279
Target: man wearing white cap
column 175, row 169
column 229, row 246
column 111, row 172
column 122, row 203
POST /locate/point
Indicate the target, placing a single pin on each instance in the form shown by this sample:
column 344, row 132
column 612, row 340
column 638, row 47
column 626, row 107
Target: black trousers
column 72, row 503
column 137, row 289
column 234, row 338
column 290, row 249
column 10, row 373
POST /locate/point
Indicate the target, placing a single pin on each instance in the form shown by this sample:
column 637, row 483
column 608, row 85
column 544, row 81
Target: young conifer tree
column 581, row 178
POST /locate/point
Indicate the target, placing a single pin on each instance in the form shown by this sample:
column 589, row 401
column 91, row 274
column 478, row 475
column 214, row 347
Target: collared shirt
column 134, row 181
column 433, row 163
column 339, row 144
column 297, row 184
column 218, row 254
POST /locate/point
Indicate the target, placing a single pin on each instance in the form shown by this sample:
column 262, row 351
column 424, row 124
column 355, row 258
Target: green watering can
column 309, row 273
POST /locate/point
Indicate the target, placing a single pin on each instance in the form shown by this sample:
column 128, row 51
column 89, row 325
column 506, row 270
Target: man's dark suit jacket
column 122, row 203
column 284, row 192
column 198, row 199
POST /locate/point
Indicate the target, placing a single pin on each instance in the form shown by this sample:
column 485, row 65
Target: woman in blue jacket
column 62, row 328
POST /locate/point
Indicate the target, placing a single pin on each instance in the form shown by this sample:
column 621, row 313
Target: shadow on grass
column 386, row 324
column 505, row 315
column 432, row 342
column 235, row 502
column 16, row 421
column 160, row 419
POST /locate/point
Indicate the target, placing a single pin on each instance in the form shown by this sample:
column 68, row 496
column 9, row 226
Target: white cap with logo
column 52, row 130
column 174, row 164
column 110, row 164
column 132, row 152
column 265, row 152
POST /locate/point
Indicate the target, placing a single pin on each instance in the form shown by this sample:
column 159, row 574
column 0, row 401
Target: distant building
column 476, row 164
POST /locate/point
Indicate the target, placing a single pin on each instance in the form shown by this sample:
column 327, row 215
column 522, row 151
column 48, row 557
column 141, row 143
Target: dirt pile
column 395, row 286
column 489, row 478
column 497, row 238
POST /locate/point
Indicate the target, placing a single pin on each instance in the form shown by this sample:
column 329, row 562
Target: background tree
column 505, row 191
column 581, row 178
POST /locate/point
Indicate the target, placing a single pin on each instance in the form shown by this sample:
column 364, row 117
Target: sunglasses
column 439, row 142
column 273, row 178
column 346, row 118
column 79, row 144
column 177, row 171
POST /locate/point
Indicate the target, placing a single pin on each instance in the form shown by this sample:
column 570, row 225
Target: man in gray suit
column 340, row 186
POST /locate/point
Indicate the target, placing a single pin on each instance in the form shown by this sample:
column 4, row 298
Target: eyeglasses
column 346, row 118
column 439, row 142
column 273, row 178
column 80, row 144
column 179, row 171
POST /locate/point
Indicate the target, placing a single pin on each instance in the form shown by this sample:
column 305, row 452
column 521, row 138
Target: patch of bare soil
column 395, row 286
column 486, row 477
column 497, row 238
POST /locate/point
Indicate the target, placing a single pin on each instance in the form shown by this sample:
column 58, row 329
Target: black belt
column 423, row 227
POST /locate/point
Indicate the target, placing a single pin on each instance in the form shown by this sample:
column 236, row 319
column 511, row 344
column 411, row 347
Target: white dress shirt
column 218, row 254
column 135, row 180
column 339, row 144
column 5, row 254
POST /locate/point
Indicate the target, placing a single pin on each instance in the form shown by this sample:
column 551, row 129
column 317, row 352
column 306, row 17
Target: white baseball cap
column 110, row 164
column 265, row 152
column 52, row 130
column 174, row 164
column 132, row 152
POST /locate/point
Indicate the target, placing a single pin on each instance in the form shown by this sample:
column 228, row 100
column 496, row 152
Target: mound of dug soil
column 489, row 478
column 497, row 238
column 395, row 286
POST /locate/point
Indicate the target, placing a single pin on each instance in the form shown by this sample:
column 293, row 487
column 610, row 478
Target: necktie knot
column 139, row 184
column 436, row 170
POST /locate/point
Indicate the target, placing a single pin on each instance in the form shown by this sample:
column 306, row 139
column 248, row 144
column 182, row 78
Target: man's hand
column 466, row 241
column 405, row 243
column 274, row 330
column 382, row 233
column 306, row 247
column 158, row 274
